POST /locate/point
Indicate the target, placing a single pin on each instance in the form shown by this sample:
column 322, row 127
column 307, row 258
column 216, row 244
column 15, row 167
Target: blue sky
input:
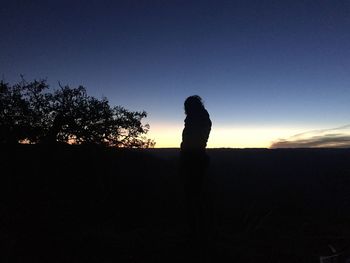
column 266, row 69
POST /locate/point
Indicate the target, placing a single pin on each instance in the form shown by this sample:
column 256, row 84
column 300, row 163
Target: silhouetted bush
column 30, row 113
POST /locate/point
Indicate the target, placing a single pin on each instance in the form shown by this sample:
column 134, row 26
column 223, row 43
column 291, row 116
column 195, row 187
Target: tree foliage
column 29, row 112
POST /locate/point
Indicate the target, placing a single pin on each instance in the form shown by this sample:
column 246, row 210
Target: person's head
column 193, row 104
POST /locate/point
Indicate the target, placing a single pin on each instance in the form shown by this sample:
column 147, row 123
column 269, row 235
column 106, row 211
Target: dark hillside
column 92, row 204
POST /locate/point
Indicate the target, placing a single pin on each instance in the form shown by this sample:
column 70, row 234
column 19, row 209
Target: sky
column 266, row 70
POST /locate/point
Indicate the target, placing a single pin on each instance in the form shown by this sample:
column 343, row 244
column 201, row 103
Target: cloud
column 328, row 138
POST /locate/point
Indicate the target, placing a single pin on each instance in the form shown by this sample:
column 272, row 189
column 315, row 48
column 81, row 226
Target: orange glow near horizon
column 166, row 135
column 169, row 136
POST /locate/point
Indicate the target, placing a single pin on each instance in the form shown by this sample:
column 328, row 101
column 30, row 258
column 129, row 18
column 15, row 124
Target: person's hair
column 193, row 104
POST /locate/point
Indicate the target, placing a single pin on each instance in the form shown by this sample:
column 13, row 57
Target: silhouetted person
column 194, row 164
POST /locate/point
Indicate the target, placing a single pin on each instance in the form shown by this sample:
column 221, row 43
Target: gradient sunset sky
column 265, row 69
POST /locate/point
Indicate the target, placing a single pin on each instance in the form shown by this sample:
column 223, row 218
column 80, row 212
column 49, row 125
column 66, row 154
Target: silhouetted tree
column 39, row 114
column 66, row 115
column 12, row 109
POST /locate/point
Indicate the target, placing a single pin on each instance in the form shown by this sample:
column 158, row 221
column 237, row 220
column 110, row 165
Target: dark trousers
column 194, row 168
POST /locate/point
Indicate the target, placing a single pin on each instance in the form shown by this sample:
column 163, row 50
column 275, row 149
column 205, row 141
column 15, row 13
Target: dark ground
column 89, row 204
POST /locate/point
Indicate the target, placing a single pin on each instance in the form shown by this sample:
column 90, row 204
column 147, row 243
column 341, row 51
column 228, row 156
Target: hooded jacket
column 196, row 131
